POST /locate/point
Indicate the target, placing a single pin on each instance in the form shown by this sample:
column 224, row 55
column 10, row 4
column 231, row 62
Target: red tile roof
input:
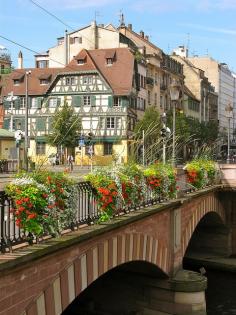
column 118, row 75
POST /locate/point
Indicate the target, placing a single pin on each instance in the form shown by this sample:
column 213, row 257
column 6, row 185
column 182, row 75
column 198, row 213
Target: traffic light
column 163, row 132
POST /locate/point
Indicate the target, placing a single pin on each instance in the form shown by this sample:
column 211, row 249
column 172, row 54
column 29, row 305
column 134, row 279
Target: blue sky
column 208, row 25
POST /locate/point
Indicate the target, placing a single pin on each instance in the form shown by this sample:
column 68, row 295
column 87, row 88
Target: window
column 16, row 82
column 53, row 102
column 155, row 99
column 81, row 61
column 87, row 80
column 40, row 148
column 70, row 81
column 44, row 81
column 117, row 101
column 76, row 40
column 107, row 148
column 42, row 64
column 87, row 100
column 110, row 123
column 109, row 61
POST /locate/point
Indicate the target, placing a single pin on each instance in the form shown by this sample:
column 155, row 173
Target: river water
column 221, row 293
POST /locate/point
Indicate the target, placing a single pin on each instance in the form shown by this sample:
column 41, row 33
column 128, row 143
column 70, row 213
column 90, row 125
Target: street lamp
column 174, row 96
column 229, row 110
column 27, row 73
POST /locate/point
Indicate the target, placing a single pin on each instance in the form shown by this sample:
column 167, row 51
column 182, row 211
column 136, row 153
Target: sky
column 207, row 27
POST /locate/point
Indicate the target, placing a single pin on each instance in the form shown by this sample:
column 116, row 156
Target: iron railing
column 86, row 213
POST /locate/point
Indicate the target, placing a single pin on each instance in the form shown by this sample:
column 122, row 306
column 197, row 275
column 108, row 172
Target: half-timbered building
column 103, row 87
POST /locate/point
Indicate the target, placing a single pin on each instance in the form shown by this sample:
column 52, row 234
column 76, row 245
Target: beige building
column 222, row 79
column 162, row 70
column 202, row 91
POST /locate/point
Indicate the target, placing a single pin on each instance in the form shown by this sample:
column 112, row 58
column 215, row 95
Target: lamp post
column 174, row 96
column 163, row 134
column 27, row 73
column 229, row 110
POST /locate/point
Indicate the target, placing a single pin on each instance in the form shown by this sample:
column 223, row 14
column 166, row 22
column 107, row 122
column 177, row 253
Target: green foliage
column 126, row 186
column 66, row 126
column 201, row 172
column 43, row 202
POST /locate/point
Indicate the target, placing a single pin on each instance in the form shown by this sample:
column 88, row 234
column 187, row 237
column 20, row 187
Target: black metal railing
column 86, row 213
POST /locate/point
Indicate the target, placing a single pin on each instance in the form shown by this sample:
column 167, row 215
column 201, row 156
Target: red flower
column 20, row 209
column 31, row 216
column 44, row 195
column 19, row 202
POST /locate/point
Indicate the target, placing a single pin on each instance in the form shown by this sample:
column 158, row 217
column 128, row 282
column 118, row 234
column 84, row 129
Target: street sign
column 81, row 143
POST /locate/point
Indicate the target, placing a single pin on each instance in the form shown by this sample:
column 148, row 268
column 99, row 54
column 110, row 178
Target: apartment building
column 162, row 70
column 203, row 100
column 222, row 79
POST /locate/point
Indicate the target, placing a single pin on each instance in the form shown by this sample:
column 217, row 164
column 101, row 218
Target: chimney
column 142, row 34
column 147, row 37
column 94, row 35
column 20, row 60
column 130, row 27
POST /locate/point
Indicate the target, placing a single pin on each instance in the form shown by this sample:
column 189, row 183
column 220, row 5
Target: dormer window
column 16, row 82
column 81, row 61
column 110, row 57
column 18, row 78
column 45, row 78
column 109, row 61
column 44, row 82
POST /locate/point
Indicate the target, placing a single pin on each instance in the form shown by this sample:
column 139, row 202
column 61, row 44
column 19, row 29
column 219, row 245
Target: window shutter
column 41, row 124
column 124, row 102
column 7, row 104
column 76, row 100
column 110, row 101
column 6, row 123
column 17, row 103
column 93, row 100
column 58, row 101
column 50, row 120
column 39, row 102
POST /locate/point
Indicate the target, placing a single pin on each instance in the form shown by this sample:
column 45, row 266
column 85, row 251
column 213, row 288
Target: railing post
column 3, row 244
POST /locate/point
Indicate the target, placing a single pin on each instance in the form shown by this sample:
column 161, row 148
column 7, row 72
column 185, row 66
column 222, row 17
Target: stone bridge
column 145, row 248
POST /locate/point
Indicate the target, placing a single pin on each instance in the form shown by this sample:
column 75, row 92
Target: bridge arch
column 92, row 264
column 209, row 204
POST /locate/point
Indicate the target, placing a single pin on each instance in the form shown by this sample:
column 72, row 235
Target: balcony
column 5, row 71
column 150, row 81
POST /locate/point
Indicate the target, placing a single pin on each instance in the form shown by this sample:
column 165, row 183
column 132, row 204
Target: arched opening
column 207, row 251
column 210, row 237
column 119, row 291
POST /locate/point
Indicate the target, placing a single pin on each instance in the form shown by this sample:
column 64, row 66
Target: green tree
column 66, row 126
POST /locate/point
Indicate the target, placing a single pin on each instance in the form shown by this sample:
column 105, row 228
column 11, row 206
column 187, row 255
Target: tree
column 66, row 126
column 150, row 127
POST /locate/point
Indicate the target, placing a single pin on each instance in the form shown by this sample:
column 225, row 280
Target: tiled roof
column 34, row 87
column 118, row 75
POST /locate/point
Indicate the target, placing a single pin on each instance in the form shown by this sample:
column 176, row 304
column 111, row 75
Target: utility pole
column 27, row 73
